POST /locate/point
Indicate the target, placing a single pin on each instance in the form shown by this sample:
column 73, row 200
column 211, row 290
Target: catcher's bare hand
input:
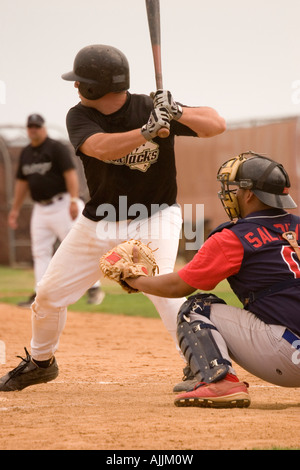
column 164, row 98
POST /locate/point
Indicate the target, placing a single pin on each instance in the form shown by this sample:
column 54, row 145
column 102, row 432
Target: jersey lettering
column 291, row 259
column 283, row 227
column 141, row 158
column 39, row 168
column 286, row 228
column 263, row 236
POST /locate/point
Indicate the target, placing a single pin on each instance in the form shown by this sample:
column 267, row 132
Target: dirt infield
column 114, row 392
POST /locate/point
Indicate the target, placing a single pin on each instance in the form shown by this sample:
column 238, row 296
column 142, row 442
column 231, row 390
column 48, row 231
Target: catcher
column 128, row 169
column 259, row 254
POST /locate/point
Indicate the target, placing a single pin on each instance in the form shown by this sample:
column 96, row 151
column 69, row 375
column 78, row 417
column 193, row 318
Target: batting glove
column 165, row 99
column 159, row 118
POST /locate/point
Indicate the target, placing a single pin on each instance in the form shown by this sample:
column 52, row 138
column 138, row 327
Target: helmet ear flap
column 90, row 91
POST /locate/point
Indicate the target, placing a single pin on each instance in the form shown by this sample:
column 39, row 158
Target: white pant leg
column 59, row 218
column 49, row 223
column 75, row 267
column 42, row 241
column 257, row 347
column 162, row 230
column 72, row 271
column 63, row 228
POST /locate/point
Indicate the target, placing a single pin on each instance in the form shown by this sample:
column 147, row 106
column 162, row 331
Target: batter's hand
column 159, row 119
column 164, row 98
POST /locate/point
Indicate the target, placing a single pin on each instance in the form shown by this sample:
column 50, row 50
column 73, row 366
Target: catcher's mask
column 99, row 69
column 267, row 179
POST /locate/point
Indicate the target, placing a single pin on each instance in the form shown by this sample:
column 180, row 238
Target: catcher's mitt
column 118, row 264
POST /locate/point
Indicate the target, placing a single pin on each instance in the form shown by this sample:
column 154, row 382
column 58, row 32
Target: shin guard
column 197, row 342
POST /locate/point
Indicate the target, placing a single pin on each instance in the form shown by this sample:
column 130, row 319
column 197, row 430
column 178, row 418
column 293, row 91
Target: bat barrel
column 153, row 14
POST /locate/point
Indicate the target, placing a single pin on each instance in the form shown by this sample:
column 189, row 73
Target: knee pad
column 199, row 303
column 196, row 340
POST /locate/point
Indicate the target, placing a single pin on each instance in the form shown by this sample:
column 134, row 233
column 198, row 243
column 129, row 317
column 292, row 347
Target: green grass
column 16, row 284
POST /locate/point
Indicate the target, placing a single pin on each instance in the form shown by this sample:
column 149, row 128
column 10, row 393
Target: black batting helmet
column 99, row 69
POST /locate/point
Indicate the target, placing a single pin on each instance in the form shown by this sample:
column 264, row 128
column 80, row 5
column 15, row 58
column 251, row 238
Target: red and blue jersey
column 261, row 267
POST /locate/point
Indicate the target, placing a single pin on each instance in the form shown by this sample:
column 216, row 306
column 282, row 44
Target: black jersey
column 146, row 176
column 43, row 167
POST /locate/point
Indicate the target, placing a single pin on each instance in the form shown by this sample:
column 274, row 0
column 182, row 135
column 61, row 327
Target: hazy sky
column 238, row 56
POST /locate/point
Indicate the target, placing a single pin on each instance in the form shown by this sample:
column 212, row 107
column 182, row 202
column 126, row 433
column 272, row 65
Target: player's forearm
column 105, row 146
column 72, row 183
column 205, row 121
column 21, row 190
column 166, row 285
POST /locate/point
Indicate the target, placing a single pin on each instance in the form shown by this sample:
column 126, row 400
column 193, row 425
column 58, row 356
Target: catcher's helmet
column 266, row 178
column 99, row 69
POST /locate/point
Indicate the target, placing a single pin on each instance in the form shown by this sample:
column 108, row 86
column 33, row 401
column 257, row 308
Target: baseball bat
column 153, row 15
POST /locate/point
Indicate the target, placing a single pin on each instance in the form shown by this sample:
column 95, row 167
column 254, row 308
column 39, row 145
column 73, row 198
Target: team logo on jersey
column 141, row 158
column 40, row 168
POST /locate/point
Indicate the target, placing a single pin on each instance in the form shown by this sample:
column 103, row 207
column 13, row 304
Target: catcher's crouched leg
column 204, row 359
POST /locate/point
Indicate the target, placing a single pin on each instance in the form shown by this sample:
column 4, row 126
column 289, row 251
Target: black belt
column 47, row 202
column 290, row 337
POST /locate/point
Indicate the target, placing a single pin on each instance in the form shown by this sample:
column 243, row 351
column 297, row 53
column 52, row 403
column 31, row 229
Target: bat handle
column 163, row 132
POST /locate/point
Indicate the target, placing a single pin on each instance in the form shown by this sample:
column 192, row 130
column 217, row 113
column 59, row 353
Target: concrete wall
column 198, row 161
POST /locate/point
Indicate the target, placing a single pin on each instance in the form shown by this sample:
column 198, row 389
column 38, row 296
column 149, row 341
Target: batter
column 131, row 177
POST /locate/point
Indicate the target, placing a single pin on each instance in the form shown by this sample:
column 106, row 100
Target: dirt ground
column 114, row 392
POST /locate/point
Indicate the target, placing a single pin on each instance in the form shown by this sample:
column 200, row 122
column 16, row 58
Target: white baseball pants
column 75, row 268
column 49, row 223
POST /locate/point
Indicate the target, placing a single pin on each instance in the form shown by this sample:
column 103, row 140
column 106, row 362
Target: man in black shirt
column 131, row 176
column 47, row 171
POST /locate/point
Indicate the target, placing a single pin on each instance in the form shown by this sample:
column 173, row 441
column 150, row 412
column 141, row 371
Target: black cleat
column 95, row 296
column 27, row 303
column 27, row 373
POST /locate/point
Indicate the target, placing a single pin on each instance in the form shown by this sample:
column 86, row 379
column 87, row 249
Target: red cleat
column 227, row 393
